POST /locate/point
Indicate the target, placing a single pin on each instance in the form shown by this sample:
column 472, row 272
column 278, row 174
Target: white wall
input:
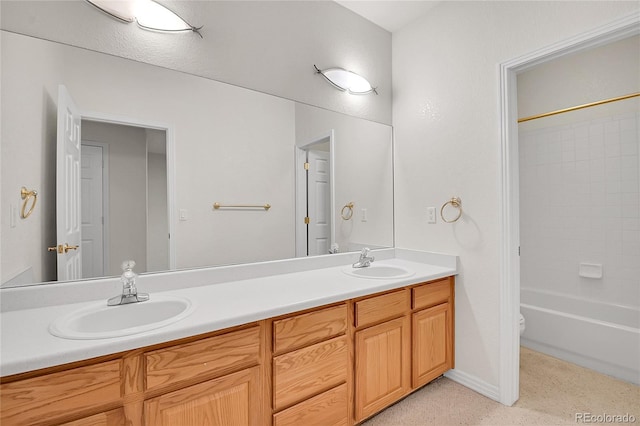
column 447, row 134
column 269, row 46
column 579, row 175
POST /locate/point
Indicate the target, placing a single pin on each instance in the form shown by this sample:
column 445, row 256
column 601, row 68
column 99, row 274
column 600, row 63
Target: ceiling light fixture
column 148, row 14
column 347, row 81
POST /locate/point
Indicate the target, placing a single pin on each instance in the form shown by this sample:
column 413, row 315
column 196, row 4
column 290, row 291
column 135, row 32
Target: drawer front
column 376, row 309
column 431, row 294
column 306, row 329
column 327, row 409
column 308, row 371
column 54, row 395
column 219, row 354
column 110, row 418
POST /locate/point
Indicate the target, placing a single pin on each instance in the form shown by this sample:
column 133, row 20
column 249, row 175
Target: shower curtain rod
column 574, row 108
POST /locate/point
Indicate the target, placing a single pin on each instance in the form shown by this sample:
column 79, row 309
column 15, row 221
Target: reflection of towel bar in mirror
column 26, row 195
column 217, row 206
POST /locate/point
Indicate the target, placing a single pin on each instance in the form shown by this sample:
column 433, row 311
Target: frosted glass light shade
column 347, row 81
column 148, row 14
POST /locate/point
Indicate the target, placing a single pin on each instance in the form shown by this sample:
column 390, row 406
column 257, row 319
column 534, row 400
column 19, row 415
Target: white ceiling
column 389, row 14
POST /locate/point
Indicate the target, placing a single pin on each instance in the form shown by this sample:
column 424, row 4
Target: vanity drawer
column 219, row 354
column 305, row 372
column 431, row 294
column 306, row 329
column 379, row 308
column 327, row 409
column 60, row 394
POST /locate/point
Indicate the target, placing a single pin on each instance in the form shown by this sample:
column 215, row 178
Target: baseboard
column 474, row 383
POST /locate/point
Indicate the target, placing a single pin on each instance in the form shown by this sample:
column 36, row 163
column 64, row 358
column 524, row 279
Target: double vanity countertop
column 259, row 291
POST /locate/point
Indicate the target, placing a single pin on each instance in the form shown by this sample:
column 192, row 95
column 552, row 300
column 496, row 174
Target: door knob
column 62, row 248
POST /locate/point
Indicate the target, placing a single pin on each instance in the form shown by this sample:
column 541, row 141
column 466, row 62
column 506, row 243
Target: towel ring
column 455, row 202
column 349, row 211
column 26, row 195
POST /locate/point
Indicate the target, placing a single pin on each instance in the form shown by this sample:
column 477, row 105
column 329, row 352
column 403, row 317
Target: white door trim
column 171, row 169
column 624, row 27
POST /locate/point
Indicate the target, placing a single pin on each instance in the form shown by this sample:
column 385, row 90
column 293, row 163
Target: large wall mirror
column 159, row 149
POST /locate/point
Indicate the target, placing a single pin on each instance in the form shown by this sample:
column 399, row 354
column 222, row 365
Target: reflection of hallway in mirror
column 92, row 208
column 124, row 198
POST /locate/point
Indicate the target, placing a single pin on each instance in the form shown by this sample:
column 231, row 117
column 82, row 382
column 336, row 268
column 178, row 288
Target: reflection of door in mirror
column 124, row 198
column 315, row 230
column 69, row 254
column 318, row 196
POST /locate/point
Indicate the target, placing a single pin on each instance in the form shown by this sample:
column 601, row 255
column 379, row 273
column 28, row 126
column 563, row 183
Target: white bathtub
column 600, row 336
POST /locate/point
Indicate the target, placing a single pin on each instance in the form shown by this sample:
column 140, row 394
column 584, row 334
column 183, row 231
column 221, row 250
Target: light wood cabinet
column 432, row 345
column 214, row 356
column 302, row 373
column 302, row 330
column 331, row 365
column 327, row 409
column 432, row 330
column 47, row 398
column 232, row 400
column 110, row 418
column 311, row 368
column 382, row 366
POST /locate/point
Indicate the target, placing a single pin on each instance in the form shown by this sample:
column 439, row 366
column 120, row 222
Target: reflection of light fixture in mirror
column 347, row 81
column 148, row 14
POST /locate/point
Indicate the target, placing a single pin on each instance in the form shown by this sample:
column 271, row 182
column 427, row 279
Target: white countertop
column 27, row 345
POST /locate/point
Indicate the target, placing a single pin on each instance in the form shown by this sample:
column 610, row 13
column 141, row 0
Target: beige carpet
column 552, row 392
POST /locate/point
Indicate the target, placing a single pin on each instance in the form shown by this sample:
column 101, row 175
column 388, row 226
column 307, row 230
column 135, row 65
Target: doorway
column 510, row 241
column 124, row 198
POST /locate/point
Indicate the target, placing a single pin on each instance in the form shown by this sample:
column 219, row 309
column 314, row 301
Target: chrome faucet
column 365, row 260
column 129, row 291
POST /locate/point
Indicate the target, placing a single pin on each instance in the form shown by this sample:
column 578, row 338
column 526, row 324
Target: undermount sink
column 379, row 272
column 99, row 321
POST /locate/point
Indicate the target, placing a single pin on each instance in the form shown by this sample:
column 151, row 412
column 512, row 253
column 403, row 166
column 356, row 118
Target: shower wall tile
column 580, row 202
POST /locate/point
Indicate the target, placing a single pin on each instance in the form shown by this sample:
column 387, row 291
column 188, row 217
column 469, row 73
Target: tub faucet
column 365, row 260
column 129, row 291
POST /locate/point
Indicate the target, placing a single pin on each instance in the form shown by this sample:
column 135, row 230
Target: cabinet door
column 382, row 366
column 432, row 343
column 232, row 400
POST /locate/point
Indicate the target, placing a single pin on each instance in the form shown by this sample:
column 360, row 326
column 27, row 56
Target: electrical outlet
column 431, row 215
column 363, row 216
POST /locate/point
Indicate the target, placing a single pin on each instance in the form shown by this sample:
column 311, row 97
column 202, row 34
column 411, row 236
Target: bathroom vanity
column 332, row 357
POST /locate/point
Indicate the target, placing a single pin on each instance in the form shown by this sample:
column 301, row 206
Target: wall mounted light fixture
column 148, row 14
column 347, row 81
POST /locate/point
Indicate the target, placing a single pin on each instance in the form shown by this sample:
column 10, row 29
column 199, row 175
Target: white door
column 319, row 208
column 91, row 200
column 68, row 188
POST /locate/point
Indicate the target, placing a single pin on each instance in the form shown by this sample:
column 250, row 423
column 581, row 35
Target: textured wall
column 447, row 134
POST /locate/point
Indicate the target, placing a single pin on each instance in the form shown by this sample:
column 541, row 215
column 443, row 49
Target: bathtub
column 599, row 336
